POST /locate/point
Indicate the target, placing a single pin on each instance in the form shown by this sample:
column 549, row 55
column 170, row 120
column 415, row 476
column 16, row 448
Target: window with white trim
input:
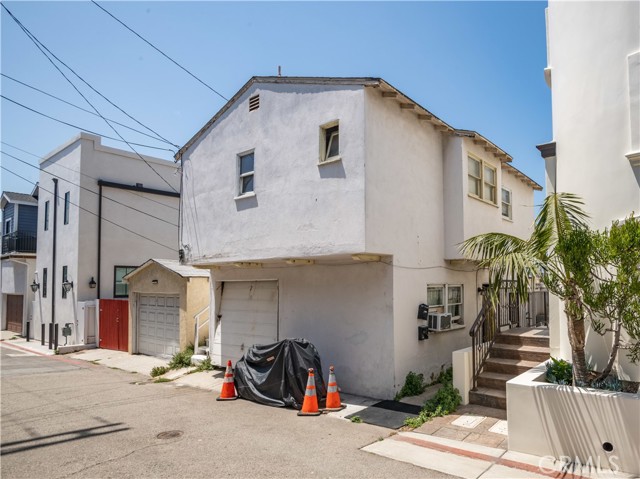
column 245, row 173
column 330, row 142
column 482, row 179
column 447, row 298
column 507, row 210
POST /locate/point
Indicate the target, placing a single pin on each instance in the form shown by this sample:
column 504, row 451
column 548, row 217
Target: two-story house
column 18, row 260
column 330, row 209
column 102, row 213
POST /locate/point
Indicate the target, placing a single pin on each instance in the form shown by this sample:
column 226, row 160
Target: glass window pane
column 489, row 192
column 454, row 310
column 120, row 272
column 435, row 296
column 334, row 145
column 121, row 289
column 505, row 210
column 489, row 175
column 506, row 196
column 247, row 184
column 474, row 186
column 455, row 294
column 474, row 167
column 246, row 163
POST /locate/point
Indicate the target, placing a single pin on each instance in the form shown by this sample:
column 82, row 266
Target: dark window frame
column 45, row 278
column 46, row 215
column 64, row 280
column 115, row 269
column 67, row 197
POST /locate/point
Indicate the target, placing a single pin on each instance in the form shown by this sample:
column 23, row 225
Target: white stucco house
column 594, row 75
column 330, row 209
column 102, row 213
column 18, row 259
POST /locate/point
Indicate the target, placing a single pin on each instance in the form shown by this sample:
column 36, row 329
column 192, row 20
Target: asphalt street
column 68, row 418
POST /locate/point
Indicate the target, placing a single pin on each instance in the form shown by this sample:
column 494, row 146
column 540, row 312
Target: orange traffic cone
column 333, row 396
column 228, row 392
column 310, row 403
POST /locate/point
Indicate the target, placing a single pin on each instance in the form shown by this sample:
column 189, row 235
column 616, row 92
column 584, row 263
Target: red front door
column 114, row 324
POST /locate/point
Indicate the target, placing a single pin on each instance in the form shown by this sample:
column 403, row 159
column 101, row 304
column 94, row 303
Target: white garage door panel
column 159, row 325
column 249, row 316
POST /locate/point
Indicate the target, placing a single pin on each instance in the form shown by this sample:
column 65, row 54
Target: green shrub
column 611, row 383
column 413, row 386
column 162, row 380
column 158, row 371
column 205, row 365
column 559, row 371
column 182, row 359
column 446, row 401
column 356, row 419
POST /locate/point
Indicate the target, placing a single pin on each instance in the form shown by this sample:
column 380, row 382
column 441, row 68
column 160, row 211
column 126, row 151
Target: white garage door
column 159, row 325
column 249, row 315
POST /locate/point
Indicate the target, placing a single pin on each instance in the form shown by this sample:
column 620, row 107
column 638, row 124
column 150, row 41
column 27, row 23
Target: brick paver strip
column 485, row 457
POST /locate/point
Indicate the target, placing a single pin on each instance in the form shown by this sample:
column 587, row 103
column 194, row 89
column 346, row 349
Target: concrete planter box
column 573, row 424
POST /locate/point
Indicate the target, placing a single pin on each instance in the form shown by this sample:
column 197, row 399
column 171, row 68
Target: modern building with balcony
column 19, row 233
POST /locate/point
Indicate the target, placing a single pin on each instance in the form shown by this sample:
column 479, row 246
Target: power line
column 42, row 49
column 91, row 191
column 87, row 176
column 85, row 110
column 157, row 49
column 81, row 128
column 90, row 212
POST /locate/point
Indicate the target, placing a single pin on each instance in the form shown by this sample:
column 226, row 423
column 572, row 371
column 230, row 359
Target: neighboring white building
column 330, row 209
column 593, row 56
column 113, row 212
column 18, row 260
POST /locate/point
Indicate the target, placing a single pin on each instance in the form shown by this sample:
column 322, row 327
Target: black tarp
column 276, row 374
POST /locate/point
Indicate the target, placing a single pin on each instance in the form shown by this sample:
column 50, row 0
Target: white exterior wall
column 479, row 216
column 300, row 209
column 594, row 60
column 82, row 161
column 346, row 311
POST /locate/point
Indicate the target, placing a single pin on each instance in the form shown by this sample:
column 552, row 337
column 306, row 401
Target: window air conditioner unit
column 439, row 321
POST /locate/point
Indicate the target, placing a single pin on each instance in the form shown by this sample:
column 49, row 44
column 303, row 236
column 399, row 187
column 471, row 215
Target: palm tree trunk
column 577, row 340
column 614, row 352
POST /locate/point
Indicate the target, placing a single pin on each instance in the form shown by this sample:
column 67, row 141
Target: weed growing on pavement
column 356, row 419
column 413, row 386
column 158, row 371
column 205, row 365
column 182, row 359
column 446, row 401
column 162, row 380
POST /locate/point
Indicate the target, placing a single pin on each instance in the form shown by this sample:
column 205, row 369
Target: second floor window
column 8, row 226
column 482, row 179
column 67, row 195
column 120, row 288
column 330, row 142
column 507, row 210
column 46, row 215
column 245, row 173
column 64, row 280
column 44, row 282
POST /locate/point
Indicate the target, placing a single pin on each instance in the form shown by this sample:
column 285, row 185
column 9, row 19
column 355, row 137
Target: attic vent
column 254, row 102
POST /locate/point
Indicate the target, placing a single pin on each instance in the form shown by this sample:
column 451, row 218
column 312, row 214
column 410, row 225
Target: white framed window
column 447, row 298
column 8, row 226
column 482, row 180
column 245, row 173
column 330, row 141
column 507, row 209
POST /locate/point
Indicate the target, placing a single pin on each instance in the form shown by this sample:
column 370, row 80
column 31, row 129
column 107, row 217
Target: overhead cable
column 88, row 211
column 157, row 49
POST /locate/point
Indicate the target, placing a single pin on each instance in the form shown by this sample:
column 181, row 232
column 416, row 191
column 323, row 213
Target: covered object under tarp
column 276, row 374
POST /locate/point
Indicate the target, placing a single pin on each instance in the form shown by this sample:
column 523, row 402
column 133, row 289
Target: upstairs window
column 120, row 288
column 482, row 180
column 67, row 196
column 8, row 228
column 45, row 278
column 46, row 215
column 64, row 280
column 330, row 142
column 245, row 173
column 506, row 204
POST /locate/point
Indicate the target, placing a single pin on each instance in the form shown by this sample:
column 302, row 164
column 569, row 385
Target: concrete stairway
column 514, row 352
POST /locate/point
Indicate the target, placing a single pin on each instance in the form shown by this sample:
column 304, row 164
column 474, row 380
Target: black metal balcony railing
column 18, row 242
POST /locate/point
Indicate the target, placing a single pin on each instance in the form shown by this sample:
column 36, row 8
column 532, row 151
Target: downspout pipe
column 99, row 238
column 53, row 265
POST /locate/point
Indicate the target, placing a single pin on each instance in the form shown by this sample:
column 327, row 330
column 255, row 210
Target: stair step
column 491, row 380
column 516, row 351
column 525, row 337
column 488, row 397
column 509, row 366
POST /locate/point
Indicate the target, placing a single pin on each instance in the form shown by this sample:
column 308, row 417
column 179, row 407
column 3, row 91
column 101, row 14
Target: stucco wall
column 294, row 210
column 345, row 311
column 595, row 98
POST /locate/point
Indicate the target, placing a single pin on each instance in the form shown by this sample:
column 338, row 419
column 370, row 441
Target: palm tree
column 544, row 254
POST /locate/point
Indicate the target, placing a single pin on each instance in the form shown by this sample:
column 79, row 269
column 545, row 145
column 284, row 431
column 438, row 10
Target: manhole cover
column 169, row 434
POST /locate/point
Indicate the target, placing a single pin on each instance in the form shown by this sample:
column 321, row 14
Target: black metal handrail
column 483, row 334
column 19, row 242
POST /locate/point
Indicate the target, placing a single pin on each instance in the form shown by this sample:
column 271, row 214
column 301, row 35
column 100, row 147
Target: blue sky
column 477, row 65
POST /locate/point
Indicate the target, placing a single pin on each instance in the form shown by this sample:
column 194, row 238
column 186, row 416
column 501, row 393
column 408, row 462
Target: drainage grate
column 169, row 434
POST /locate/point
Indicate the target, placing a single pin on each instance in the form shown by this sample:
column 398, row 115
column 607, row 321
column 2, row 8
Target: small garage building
column 164, row 299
